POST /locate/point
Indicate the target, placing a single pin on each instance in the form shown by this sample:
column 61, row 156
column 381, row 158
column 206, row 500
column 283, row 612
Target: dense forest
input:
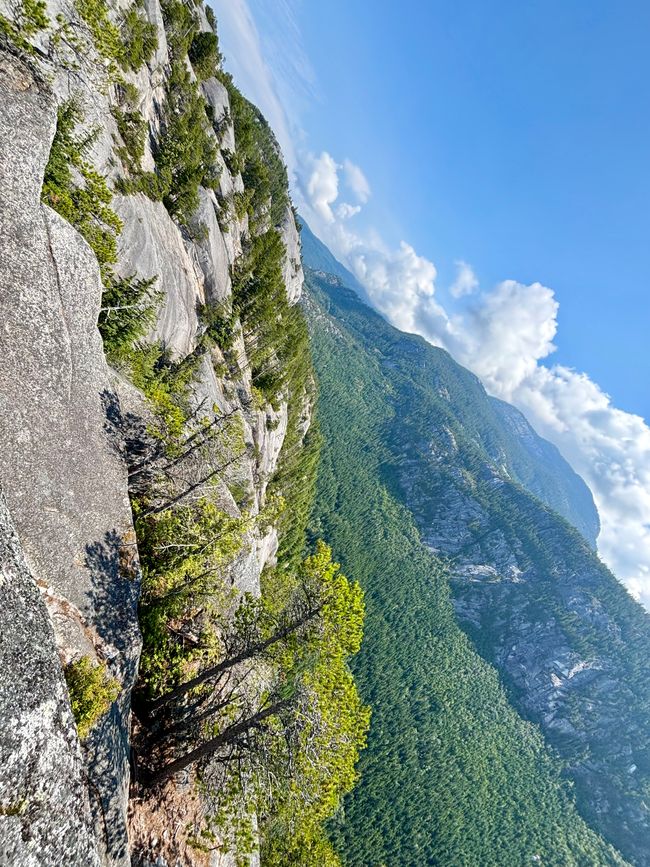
column 452, row 774
column 569, row 642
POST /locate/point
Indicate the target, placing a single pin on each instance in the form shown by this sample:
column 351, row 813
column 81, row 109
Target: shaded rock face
column 60, row 465
column 44, row 812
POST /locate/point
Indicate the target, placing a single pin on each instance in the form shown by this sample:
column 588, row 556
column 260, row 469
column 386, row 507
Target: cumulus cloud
column 508, row 331
column 323, row 185
column 466, row 281
column 356, row 181
column 506, row 336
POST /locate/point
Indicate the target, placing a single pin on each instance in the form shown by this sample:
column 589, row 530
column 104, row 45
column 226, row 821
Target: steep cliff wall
column 68, row 418
column 65, row 483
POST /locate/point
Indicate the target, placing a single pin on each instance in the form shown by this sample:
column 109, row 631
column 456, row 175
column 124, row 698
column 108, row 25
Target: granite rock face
column 60, row 466
column 44, row 812
column 151, row 245
column 62, row 458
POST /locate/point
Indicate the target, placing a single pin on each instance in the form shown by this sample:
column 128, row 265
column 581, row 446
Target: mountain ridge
column 538, row 605
column 504, row 430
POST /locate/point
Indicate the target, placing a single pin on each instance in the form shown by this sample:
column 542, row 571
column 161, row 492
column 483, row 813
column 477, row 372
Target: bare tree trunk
column 211, row 746
column 248, row 653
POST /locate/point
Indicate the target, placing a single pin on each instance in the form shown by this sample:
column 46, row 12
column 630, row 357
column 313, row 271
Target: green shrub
column 186, row 154
column 106, row 36
column 133, row 131
column 128, row 311
column 85, row 206
column 91, row 691
column 29, row 18
column 181, row 24
column 139, row 39
column 204, row 54
column 219, row 322
column 165, row 383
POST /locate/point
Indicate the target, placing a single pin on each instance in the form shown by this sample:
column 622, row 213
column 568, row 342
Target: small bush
column 86, row 206
column 204, row 54
column 29, row 18
column 139, row 38
column 219, row 323
column 165, row 383
column 181, row 25
column 91, row 691
column 133, row 130
column 105, row 34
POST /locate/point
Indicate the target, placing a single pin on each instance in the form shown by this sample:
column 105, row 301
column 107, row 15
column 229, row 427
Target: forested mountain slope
column 424, row 506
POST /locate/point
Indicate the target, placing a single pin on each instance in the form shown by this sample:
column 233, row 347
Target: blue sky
column 513, row 137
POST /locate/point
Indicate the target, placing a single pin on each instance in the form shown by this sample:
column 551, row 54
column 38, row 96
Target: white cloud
column 507, row 332
column 323, row 185
column 356, row 181
column 466, row 281
column 345, row 211
column 503, row 335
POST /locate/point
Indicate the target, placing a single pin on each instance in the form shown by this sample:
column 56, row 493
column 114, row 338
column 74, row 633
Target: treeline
column 438, row 462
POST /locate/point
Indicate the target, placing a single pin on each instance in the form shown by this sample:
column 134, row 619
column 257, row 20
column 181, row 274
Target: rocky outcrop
column 63, row 476
column 44, row 812
column 151, row 245
column 62, row 459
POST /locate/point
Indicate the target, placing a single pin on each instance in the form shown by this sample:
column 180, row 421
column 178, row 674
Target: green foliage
column 186, row 152
column 333, row 723
column 106, row 35
column 219, row 322
column 204, row 54
column 164, row 382
column 133, row 130
column 181, row 25
column 129, row 307
column 451, row 774
column 28, row 18
column 139, row 40
column 183, row 552
column 258, row 158
column 91, row 692
column 85, row 206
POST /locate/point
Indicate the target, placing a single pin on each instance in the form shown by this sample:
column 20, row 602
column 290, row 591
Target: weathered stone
column 151, row 245
column 45, row 817
column 293, row 274
column 63, row 476
column 210, row 250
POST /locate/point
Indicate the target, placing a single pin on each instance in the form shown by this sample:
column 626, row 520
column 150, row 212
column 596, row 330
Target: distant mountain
column 500, row 428
column 523, row 737
column 318, row 257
